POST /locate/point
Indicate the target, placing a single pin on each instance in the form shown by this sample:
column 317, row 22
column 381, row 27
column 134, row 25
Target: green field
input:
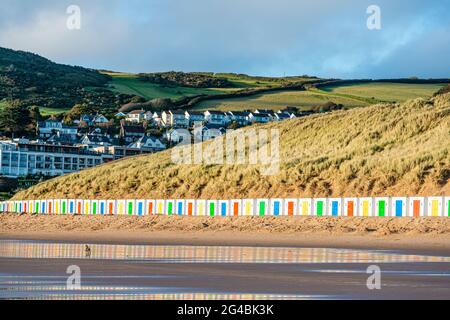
column 130, row 84
column 389, row 92
column 52, row 111
column 357, row 95
column 305, row 100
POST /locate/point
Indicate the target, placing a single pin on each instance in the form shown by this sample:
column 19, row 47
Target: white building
column 21, row 158
column 148, row 143
column 216, row 117
column 136, row 116
column 48, row 128
column 175, row 119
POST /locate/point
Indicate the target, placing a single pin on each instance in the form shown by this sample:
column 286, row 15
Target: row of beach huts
column 438, row 206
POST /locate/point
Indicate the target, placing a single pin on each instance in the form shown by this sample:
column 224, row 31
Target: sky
column 325, row 38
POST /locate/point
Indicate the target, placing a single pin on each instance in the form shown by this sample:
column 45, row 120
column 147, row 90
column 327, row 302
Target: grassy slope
column 130, row 84
column 397, row 92
column 350, row 96
column 279, row 100
column 379, row 150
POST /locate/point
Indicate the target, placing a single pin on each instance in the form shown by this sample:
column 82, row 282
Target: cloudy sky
column 262, row 37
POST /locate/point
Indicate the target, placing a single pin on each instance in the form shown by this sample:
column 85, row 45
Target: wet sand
column 139, row 272
column 426, row 235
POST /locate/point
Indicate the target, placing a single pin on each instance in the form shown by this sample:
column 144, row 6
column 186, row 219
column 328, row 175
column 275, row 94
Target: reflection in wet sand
column 204, row 254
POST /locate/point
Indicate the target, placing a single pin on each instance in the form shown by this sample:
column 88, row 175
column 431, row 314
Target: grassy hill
column 384, row 149
column 54, row 87
column 349, row 95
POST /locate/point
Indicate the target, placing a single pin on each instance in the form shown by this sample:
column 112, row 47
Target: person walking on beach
column 87, row 251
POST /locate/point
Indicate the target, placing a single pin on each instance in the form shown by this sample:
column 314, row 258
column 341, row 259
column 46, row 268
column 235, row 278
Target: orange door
column 150, row 208
column 79, row 207
column 290, row 208
column 416, row 208
column 351, row 208
column 190, row 209
column 110, row 210
column 236, row 209
column 49, row 207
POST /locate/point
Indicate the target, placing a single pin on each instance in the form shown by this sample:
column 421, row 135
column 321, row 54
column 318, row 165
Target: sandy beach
column 425, row 235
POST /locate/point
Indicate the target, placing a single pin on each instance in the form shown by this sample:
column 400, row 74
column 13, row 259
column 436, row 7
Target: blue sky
column 261, row 37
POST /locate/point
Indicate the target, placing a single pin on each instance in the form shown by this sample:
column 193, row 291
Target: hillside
column 35, row 80
column 385, row 149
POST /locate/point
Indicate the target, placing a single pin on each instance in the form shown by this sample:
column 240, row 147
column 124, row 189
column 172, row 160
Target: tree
column 14, row 118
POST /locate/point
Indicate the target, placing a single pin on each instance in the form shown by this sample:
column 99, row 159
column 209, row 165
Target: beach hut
column 305, row 206
column 111, row 207
column 212, row 208
column 150, row 206
column 130, row 207
column 248, row 206
column 262, row 207
column 224, row 208
column 170, row 207
column 382, row 206
column 399, row 206
column 102, row 207
column 190, row 207
column 121, row 207
column 160, row 206
column 351, row 207
column 435, row 206
column 320, row 207
column 94, row 207
column 201, row 208
column 290, row 207
column 79, row 208
column 72, row 204
column 87, row 207
column 335, row 207
column 140, row 207
column 417, row 207
column 276, row 207
column 64, row 206
column 366, row 207
column 236, row 207
column 180, row 207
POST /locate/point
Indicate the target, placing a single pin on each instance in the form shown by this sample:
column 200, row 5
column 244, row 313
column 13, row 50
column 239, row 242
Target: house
column 194, row 116
column 93, row 141
column 135, row 116
column 63, row 139
column 48, row 128
column 157, row 118
column 282, row 116
column 176, row 135
column 260, row 117
column 216, row 117
column 175, row 119
column 92, row 120
column 148, row 143
column 120, row 115
column 131, row 133
column 211, row 131
column 241, row 117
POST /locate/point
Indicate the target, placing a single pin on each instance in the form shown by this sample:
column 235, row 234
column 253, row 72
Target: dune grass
column 385, row 149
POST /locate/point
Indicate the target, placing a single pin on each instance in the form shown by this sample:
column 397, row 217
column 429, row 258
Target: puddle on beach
column 203, row 254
